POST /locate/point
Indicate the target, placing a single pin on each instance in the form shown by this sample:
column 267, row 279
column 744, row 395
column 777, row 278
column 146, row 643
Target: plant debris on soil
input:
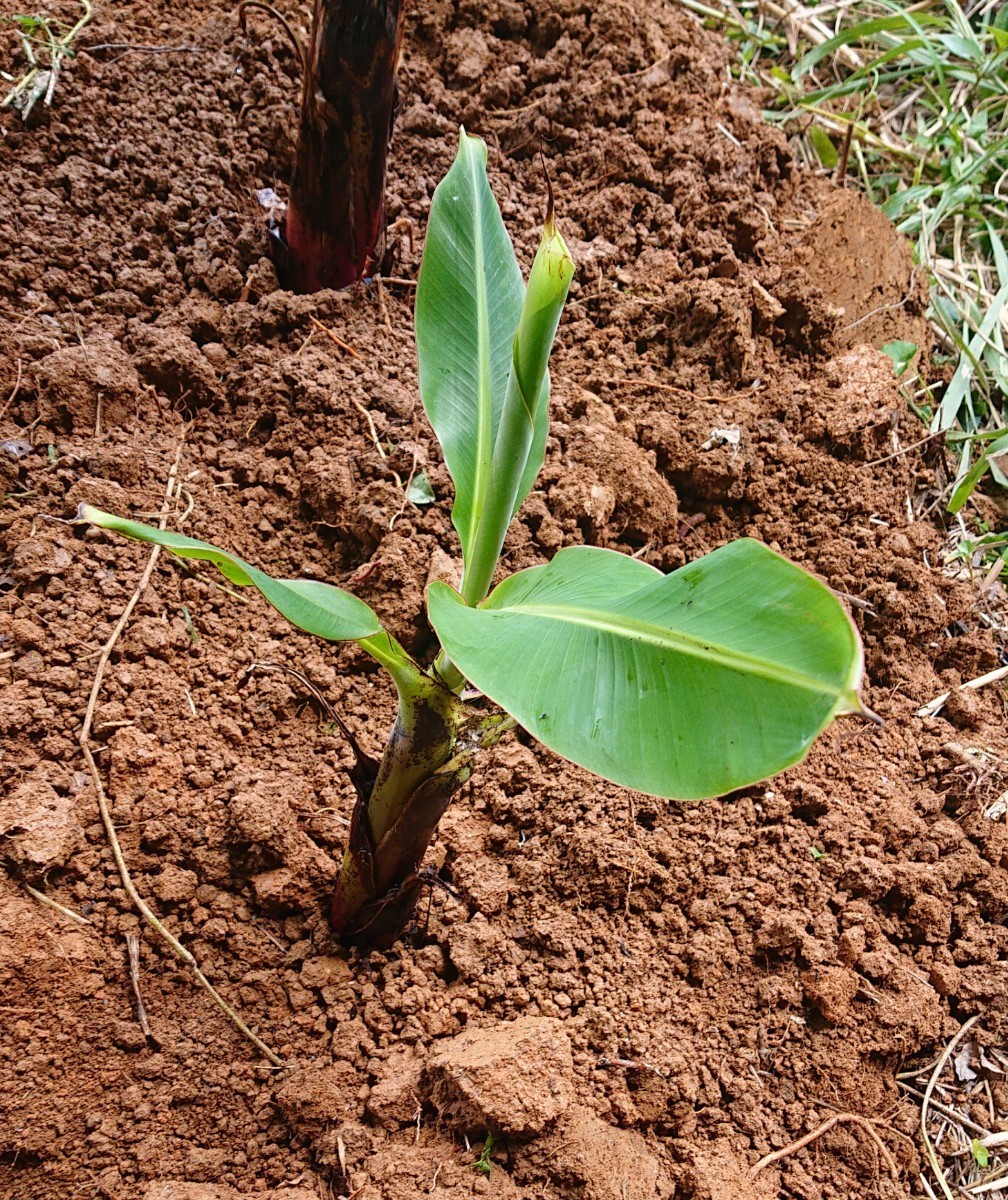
column 634, row 998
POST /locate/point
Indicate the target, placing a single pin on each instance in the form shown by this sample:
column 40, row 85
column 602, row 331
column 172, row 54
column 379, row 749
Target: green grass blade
column 968, row 480
column 687, row 685
column 958, row 389
column 999, row 252
column 862, row 31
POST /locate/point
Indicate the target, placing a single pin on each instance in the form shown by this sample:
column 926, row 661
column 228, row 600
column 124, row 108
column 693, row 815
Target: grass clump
column 912, row 99
column 46, row 43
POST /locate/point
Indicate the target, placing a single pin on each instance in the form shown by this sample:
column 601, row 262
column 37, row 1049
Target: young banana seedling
column 686, row 686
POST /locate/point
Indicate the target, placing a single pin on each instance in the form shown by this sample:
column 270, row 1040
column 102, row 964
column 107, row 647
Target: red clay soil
column 635, row 998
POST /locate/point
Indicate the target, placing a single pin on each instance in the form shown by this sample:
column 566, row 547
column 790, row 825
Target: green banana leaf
column 686, row 685
column 469, row 298
column 319, row 608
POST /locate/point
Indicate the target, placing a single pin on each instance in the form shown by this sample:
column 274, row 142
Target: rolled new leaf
column 687, row 685
column 319, row 608
column 517, row 459
column 483, row 343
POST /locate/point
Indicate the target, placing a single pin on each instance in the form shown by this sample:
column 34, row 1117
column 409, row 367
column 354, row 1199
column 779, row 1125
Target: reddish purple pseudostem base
column 336, row 210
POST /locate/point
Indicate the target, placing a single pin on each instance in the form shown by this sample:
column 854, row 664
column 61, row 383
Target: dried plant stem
column 837, row 1119
column 49, row 902
column 934, row 707
column 141, row 905
column 133, row 950
column 925, row 1104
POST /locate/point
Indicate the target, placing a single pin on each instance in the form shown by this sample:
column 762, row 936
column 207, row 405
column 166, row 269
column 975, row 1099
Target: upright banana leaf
column 469, row 299
column 686, row 685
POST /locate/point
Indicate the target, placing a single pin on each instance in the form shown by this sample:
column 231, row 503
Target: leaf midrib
column 484, row 400
column 618, row 625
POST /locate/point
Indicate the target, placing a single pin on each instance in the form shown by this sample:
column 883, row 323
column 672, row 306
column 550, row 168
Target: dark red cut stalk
column 336, row 209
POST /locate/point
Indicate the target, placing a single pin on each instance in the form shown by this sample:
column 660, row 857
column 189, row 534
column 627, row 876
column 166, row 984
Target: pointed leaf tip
column 318, row 608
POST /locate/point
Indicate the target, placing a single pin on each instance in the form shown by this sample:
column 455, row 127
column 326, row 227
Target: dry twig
column 142, row 907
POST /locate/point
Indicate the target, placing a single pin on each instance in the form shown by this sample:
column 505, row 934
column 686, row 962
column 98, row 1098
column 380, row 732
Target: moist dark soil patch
column 639, row 999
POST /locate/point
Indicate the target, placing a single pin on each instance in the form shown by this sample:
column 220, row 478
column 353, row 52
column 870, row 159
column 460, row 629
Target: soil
column 634, row 998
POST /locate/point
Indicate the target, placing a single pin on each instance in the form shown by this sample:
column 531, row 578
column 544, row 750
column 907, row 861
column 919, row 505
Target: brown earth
column 637, row 999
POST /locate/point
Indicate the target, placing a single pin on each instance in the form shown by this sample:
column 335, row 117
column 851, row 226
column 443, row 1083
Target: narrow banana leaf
column 523, row 413
column 687, row 685
column 469, row 299
column 318, row 608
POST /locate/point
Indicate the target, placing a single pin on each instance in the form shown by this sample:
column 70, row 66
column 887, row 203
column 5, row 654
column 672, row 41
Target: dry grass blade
column 141, row 905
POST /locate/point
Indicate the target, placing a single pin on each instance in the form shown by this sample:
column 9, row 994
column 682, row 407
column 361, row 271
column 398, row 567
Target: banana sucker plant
column 336, row 207
column 687, row 685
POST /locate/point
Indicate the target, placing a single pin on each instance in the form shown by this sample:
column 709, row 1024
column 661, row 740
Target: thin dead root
column 373, row 431
column 884, row 307
column 141, row 905
column 14, row 391
column 406, row 488
column 49, row 902
column 275, row 13
column 344, row 346
column 326, row 707
column 863, row 1123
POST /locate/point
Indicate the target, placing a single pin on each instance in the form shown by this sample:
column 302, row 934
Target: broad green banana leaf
column 686, row 685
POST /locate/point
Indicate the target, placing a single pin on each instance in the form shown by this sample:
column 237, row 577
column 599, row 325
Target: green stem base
column 429, row 756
